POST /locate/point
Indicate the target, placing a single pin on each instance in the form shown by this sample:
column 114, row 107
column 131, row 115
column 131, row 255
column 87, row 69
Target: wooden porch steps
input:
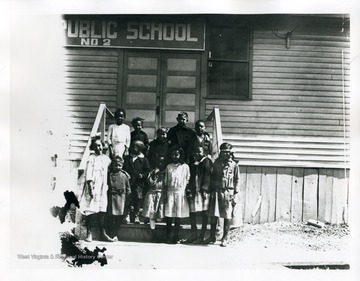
column 139, row 232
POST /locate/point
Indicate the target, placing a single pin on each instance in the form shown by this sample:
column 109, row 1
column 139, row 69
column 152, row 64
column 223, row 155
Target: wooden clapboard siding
column 293, row 194
column 91, row 78
column 300, row 97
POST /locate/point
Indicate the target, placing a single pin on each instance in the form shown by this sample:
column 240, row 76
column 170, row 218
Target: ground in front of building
column 277, row 245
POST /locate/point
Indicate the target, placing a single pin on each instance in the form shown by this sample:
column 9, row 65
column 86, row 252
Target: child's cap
column 183, row 114
column 226, row 147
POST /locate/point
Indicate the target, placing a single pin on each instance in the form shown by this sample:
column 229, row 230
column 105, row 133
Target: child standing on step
column 199, row 187
column 94, row 202
column 138, row 167
column 159, row 146
column 118, row 195
column 153, row 202
column 180, row 135
column 201, row 138
column 177, row 175
column 119, row 135
column 225, row 180
column 139, row 134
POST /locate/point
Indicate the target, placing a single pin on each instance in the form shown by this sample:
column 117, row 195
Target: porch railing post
column 103, row 122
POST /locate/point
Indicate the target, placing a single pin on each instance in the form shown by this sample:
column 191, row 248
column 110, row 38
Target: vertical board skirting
column 297, row 194
column 347, row 197
column 268, row 192
column 253, row 188
column 239, row 210
column 292, row 194
column 310, row 194
column 242, row 195
column 339, row 212
column 322, row 195
column 283, row 194
column 329, row 195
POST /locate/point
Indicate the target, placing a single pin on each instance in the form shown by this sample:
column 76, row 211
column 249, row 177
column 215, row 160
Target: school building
column 274, row 86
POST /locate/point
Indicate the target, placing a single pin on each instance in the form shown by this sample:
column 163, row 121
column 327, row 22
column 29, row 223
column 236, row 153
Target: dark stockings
column 204, row 220
column 168, row 230
column 226, row 232
column 212, row 238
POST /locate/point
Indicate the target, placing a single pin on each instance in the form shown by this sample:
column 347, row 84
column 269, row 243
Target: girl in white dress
column 119, row 135
column 94, row 203
column 177, row 175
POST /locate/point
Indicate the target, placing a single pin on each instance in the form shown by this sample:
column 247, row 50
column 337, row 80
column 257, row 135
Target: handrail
column 99, row 123
column 217, row 137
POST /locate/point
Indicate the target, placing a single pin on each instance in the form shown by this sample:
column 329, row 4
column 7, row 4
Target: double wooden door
column 157, row 85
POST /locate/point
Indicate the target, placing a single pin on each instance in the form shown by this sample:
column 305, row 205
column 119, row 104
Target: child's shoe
column 199, row 240
column 191, row 239
column 210, row 240
column 223, row 243
column 88, row 237
column 105, row 237
column 137, row 220
column 126, row 220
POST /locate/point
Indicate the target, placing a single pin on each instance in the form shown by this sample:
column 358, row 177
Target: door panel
column 167, row 81
column 141, row 88
column 181, row 90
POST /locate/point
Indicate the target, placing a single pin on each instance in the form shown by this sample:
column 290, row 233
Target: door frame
column 160, row 99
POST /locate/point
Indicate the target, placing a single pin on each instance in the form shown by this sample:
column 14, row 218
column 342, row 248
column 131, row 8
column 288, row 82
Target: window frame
column 209, row 59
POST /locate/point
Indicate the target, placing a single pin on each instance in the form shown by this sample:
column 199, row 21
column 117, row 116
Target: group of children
column 171, row 178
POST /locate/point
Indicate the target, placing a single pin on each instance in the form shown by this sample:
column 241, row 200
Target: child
column 225, row 180
column 119, row 135
column 119, row 195
column 199, row 186
column 180, row 135
column 201, row 138
column 159, row 146
column 138, row 168
column 139, row 134
column 95, row 193
column 153, row 203
column 177, row 175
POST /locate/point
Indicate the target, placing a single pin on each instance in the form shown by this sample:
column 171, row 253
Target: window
column 228, row 62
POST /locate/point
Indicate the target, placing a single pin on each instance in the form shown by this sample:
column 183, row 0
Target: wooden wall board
column 310, row 205
column 253, row 187
column 283, row 194
column 297, row 194
column 340, row 190
column 241, row 198
column 268, row 192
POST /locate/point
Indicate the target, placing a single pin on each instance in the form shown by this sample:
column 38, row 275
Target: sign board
column 134, row 32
